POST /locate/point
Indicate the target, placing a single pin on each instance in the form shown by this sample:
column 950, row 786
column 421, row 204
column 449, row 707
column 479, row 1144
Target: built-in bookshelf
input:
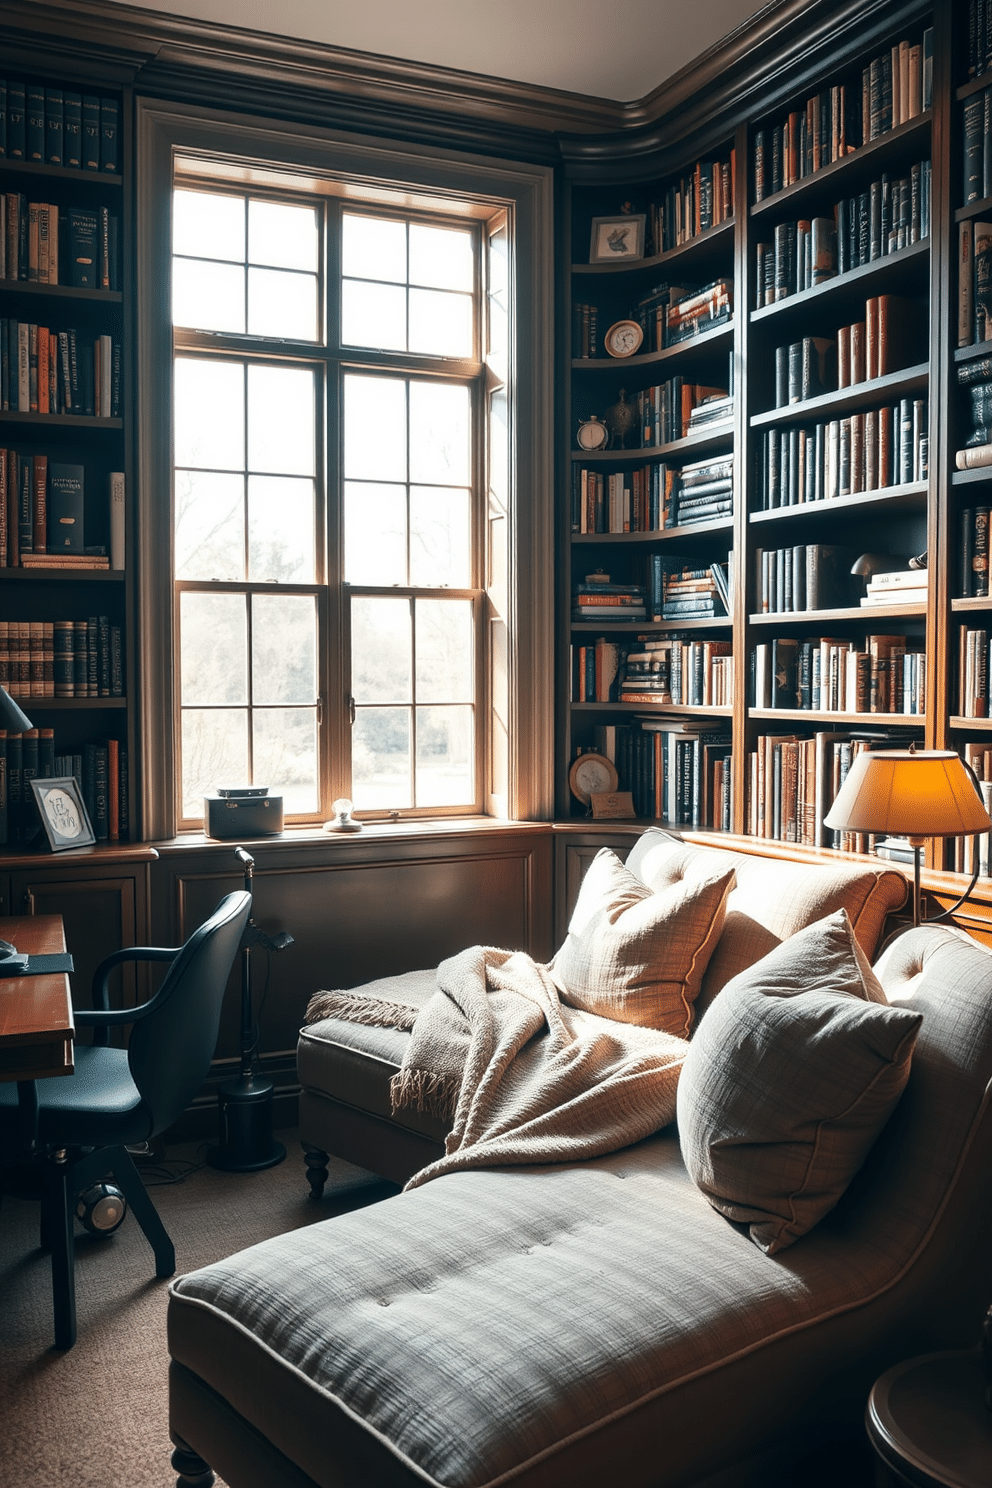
column 65, row 455
column 847, row 217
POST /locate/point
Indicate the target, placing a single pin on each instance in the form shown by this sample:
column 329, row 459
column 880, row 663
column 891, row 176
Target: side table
column 928, row 1422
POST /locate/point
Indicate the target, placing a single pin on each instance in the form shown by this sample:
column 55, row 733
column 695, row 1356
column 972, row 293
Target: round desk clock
column 592, row 434
column 623, row 339
column 590, row 775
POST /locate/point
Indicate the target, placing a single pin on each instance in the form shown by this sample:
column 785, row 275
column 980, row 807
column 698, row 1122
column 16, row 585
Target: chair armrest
column 101, row 1015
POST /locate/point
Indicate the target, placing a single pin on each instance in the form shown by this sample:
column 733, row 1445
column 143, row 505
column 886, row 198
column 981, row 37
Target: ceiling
column 619, row 49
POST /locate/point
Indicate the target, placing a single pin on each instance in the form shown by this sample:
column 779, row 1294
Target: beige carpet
column 96, row 1416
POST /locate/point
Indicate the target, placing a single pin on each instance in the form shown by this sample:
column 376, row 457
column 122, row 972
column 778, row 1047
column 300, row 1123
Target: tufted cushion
column 772, row 899
column 789, row 1080
column 639, row 956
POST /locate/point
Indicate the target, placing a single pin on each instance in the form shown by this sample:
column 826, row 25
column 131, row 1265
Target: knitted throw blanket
column 522, row 1077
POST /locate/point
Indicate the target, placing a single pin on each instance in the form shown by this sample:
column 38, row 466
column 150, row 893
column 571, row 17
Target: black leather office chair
column 126, row 1096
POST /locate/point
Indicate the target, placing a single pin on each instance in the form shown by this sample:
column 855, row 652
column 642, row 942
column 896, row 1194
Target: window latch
column 351, row 710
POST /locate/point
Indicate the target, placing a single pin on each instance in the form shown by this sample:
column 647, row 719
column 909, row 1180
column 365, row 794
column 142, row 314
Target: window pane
column 281, row 420
column 210, row 526
column 442, row 257
column 284, row 649
column 282, row 304
column 444, row 651
column 285, row 755
column 381, row 638
column 208, row 296
column 207, row 225
column 373, row 315
column 283, row 236
column 214, row 646
column 440, row 537
column 215, row 753
column 209, row 414
column 374, row 533
column 499, row 447
column 445, row 757
column 440, row 323
column 373, row 248
column 280, row 530
column 380, row 759
column 439, row 434
column 374, row 428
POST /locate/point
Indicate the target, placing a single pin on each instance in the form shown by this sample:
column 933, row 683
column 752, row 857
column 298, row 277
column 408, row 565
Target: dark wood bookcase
column 904, row 517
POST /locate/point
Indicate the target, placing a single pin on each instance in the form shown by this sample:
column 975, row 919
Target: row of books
column 675, row 771
column 692, row 593
column 699, row 310
column 974, row 282
column 42, row 514
column 40, row 245
column 44, row 124
column 702, row 198
column 621, row 500
column 827, row 674
column 703, row 492
column 979, row 37
column 976, row 376
column 100, row 769
column 894, row 87
column 62, row 658
column 890, row 215
column 973, row 547
column 973, row 672
column 670, row 671
column 46, row 371
column 664, row 411
column 861, row 352
column 585, row 329
column 793, row 781
column 869, row 451
column 805, row 576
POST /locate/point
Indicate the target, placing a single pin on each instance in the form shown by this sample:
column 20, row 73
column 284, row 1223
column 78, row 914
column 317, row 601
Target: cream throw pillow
column 638, row 956
column 791, row 1076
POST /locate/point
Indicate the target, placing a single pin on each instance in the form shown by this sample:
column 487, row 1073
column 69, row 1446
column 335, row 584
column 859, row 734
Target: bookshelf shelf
column 62, row 292
column 75, row 421
column 911, row 497
column 842, row 720
column 29, row 170
column 721, row 338
column 858, row 615
column 968, row 725
column 971, row 606
column 654, row 710
column 701, row 246
column 62, row 576
column 32, row 705
column 646, row 627
column 902, row 270
column 692, row 447
column 861, row 165
column 976, row 477
column 849, row 399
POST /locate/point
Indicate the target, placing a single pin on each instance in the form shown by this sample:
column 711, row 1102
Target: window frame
column 260, row 152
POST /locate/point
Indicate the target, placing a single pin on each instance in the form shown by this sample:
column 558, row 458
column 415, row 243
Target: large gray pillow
column 789, row 1079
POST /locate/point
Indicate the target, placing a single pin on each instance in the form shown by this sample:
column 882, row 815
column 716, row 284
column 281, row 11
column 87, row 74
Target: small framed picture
column 617, row 239
column 63, row 814
column 612, row 805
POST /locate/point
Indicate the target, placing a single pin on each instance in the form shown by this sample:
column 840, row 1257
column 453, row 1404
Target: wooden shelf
column 62, row 292
column 861, row 721
column 859, row 614
column 911, row 496
column 75, row 421
column 32, row 705
column 866, row 163
column 689, row 448
column 34, row 170
column 638, row 627
column 673, row 710
column 666, row 534
column 709, row 341
column 877, row 390
column 62, row 575
column 899, row 269
column 978, row 605
column 721, row 236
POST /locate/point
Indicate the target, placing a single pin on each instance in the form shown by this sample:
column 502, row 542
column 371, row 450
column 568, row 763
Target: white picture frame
column 617, row 239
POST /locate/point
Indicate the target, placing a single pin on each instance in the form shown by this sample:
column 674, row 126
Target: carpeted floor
column 96, row 1416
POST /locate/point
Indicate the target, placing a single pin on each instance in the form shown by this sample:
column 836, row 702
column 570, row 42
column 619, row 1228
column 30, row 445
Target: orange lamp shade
column 909, row 793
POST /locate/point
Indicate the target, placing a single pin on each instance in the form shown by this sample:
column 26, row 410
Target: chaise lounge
column 543, row 1324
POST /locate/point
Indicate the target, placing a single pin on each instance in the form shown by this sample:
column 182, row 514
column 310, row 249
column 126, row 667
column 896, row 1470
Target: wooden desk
column 36, row 1029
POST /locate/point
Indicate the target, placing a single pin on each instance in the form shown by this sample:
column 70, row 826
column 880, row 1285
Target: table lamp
column 914, row 793
column 11, row 716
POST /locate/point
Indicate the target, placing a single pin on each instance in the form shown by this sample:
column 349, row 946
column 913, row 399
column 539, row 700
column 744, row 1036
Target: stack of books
column 689, row 594
column 600, row 600
column 712, row 411
column 976, row 378
column 699, row 310
column 905, row 586
column 705, row 492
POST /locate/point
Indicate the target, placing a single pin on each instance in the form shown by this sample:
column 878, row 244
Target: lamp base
column 246, row 1142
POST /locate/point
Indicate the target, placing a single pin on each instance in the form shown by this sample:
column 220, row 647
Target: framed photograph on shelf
column 617, row 239
column 63, row 815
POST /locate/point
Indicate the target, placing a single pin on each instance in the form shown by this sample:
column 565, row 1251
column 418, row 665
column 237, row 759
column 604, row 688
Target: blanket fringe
column 434, row 1095
column 375, row 1012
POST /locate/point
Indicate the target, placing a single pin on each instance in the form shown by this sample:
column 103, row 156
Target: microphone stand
column 245, row 1104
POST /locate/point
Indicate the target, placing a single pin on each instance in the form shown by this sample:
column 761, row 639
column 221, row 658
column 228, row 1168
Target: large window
column 334, row 470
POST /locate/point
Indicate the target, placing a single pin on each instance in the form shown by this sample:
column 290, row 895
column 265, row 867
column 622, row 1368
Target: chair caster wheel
column 101, row 1208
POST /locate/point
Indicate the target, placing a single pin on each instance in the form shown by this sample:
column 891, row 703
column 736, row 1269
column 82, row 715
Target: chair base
column 246, row 1144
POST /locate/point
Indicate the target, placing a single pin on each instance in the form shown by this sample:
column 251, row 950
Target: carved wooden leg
column 316, row 1162
column 193, row 1471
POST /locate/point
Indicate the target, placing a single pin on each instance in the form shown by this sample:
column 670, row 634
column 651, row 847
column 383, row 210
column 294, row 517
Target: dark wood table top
column 36, row 1028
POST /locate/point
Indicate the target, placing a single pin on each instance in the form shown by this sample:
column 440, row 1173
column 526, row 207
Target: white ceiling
column 620, row 49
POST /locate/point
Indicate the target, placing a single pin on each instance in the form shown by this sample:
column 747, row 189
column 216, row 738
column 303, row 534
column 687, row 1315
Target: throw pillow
column 637, row 956
column 791, row 1075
